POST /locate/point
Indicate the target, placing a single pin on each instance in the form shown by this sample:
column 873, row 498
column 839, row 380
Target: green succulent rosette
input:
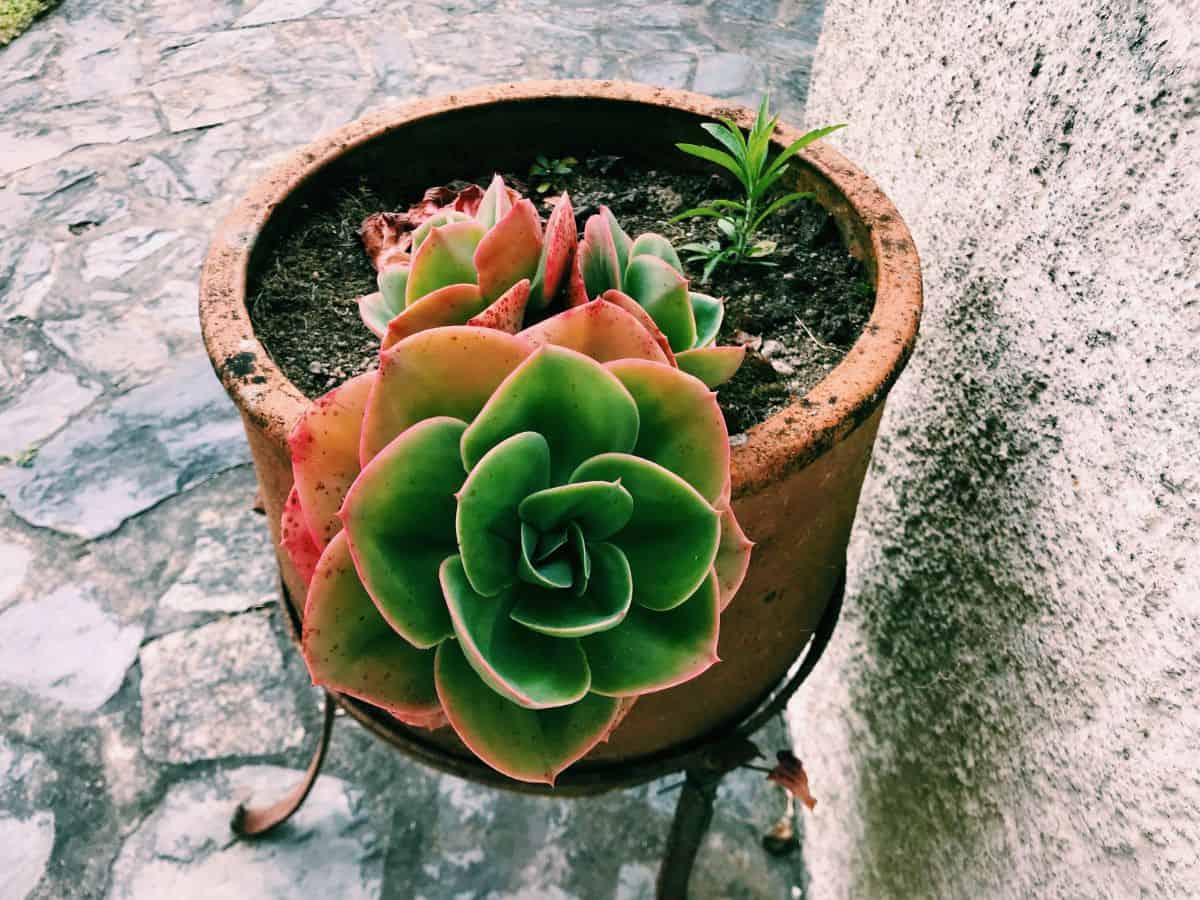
column 516, row 535
column 485, row 259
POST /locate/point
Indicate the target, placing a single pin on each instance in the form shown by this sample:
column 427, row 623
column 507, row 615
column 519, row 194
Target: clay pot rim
column 786, row 441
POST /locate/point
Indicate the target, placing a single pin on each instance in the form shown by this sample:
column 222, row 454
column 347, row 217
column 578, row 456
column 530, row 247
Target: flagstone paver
column 144, row 677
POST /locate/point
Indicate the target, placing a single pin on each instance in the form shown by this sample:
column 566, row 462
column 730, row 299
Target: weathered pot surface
column 796, row 478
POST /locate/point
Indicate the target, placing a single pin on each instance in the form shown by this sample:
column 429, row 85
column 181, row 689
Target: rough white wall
column 1011, row 707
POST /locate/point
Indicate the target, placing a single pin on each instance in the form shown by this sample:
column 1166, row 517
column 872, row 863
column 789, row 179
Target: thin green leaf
column 799, row 144
column 716, row 156
column 696, row 212
column 728, row 204
column 732, row 143
column 736, row 131
column 778, row 204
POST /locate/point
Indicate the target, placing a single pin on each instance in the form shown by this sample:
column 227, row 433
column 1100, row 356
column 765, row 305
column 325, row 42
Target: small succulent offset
column 483, row 258
column 515, row 534
column 747, row 160
column 547, row 170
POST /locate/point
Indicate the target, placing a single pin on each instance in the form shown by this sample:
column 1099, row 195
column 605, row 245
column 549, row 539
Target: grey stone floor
column 144, row 680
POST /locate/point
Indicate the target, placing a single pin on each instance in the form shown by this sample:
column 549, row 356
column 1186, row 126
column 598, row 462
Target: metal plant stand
column 703, row 764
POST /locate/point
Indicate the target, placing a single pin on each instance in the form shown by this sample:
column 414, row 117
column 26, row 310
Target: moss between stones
column 17, row 15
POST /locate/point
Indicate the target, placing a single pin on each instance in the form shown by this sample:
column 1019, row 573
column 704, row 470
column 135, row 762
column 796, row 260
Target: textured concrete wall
column 1010, row 708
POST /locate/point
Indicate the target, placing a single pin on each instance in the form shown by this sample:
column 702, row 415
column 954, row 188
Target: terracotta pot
column 797, row 477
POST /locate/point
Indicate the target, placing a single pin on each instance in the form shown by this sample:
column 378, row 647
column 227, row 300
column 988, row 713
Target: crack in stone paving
column 126, row 133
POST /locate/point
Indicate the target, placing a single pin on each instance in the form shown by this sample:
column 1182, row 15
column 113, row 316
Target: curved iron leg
column 250, row 822
column 693, row 815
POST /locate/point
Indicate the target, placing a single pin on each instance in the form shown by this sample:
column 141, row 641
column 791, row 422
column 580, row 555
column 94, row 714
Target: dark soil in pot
column 798, row 318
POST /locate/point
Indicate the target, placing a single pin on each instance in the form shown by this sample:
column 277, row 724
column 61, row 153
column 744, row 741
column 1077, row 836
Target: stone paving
column 145, row 683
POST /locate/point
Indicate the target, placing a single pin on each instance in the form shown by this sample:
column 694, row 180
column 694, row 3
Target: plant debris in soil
column 797, row 319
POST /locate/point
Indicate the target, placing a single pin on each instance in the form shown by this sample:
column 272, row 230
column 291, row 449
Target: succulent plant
column 484, row 259
column 515, row 534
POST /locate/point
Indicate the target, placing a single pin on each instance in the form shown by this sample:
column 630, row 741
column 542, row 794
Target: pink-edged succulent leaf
column 444, row 372
column 652, row 650
column 635, row 309
column 510, row 251
column 455, row 304
column 597, row 329
column 528, row 668
column 324, row 450
column 385, row 304
column 495, row 203
column 597, row 257
column 375, row 313
column 349, row 647
column 682, row 427
column 712, row 365
column 445, row 257
column 400, row 519
column 487, row 523
column 524, row 744
column 602, row 508
column 602, row 605
column 295, row 538
column 621, row 242
column 558, row 254
column 578, row 406
column 539, row 570
column 708, row 312
column 733, row 557
column 508, row 312
column 651, row 244
column 671, row 539
column 442, row 217
column 664, row 294
column 576, row 291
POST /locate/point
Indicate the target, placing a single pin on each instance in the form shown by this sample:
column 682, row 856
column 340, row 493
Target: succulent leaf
column 324, row 450
column 455, row 304
column 528, row 668
column 671, row 539
column 525, row 744
column 682, row 427
column 733, row 557
column 601, row 508
column 603, row 605
column 393, row 285
column 598, row 260
column 635, row 309
column 601, row 330
column 551, row 573
column 621, row 242
column 349, row 647
column 579, row 407
column 510, row 251
column 445, row 257
column 583, row 559
column 446, row 372
column 488, row 527
column 506, row 313
column 400, row 516
column 663, row 292
column 652, row 650
column 495, row 203
column 708, row 312
column 712, row 365
column 296, row 540
column 651, row 244
column 558, row 254
column 437, row 220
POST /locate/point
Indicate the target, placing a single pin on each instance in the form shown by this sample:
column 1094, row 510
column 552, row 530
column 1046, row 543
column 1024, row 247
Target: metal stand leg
column 257, row 821
column 693, row 815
